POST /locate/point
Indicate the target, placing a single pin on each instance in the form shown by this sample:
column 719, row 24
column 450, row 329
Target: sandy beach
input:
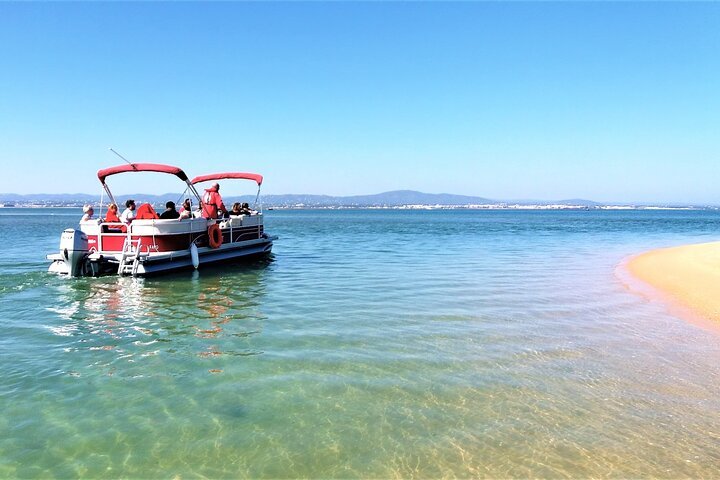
column 688, row 275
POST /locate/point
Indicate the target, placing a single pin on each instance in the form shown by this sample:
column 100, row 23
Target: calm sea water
column 375, row 344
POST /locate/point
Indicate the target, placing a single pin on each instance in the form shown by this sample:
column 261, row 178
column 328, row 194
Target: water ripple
column 373, row 344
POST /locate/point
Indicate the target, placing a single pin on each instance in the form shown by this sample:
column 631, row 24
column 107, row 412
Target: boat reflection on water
column 170, row 326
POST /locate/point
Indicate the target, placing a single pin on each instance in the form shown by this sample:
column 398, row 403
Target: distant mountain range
column 394, row 198
column 388, row 199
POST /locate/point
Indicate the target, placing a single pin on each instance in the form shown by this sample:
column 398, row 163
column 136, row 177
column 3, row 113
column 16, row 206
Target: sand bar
column 688, row 275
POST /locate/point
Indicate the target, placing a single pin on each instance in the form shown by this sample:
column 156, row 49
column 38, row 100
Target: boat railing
column 108, row 234
column 108, row 231
column 242, row 221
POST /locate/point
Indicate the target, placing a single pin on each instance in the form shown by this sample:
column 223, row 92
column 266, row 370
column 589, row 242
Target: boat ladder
column 130, row 258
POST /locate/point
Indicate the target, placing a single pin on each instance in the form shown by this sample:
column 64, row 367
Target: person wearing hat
column 170, row 211
column 87, row 213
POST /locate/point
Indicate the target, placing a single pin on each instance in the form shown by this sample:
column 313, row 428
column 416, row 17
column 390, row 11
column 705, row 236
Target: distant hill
column 389, row 199
column 394, row 198
column 47, row 197
column 408, row 197
column 75, row 198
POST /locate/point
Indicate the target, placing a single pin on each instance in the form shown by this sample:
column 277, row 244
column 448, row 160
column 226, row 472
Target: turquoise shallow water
column 383, row 344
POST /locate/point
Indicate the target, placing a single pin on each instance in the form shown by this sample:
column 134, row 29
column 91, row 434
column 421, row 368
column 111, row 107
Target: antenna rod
column 126, row 160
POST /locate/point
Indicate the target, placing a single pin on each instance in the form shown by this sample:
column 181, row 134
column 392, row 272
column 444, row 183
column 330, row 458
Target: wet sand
column 688, row 275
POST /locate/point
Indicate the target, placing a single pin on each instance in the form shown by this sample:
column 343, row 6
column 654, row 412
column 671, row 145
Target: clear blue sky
column 604, row 101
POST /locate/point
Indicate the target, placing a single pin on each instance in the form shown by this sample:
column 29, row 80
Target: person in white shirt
column 87, row 213
column 128, row 214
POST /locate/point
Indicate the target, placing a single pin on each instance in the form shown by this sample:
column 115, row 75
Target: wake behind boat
column 149, row 245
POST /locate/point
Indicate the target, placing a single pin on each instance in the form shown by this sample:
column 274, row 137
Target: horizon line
column 481, row 200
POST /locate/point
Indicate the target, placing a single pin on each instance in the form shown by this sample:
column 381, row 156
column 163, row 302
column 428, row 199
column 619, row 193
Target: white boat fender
column 194, row 256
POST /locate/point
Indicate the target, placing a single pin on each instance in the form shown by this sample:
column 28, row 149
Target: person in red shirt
column 212, row 202
column 112, row 213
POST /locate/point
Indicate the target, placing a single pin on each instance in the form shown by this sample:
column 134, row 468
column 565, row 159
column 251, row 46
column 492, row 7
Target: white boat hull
column 96, row 264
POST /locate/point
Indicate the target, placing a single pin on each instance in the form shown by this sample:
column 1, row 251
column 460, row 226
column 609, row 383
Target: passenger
column 186, row 209
column 129, row 213
column 246, row 210
column 236, row 210
column 212, row 202
column 146, row 212
column 112, row 213
column 87, row 213
column 170, row 211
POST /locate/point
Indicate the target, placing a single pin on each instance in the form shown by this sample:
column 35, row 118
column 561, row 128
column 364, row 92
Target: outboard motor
column 74, row 249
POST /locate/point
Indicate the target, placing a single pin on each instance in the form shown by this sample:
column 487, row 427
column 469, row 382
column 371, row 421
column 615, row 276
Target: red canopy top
column 219, row 176
column 142, row 167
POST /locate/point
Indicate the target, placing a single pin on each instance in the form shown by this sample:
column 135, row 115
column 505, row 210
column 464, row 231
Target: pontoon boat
column 149, row 245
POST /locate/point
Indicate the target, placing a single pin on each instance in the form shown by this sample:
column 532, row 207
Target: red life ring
column 214, row 236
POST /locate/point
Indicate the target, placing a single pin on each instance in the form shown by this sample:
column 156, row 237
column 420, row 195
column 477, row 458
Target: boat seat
column 233, row 221
column 114, row 227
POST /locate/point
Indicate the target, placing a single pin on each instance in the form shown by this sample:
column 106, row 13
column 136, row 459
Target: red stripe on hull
column 113, row 242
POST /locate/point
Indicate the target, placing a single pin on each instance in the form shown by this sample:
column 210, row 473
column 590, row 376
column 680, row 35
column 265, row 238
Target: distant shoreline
column 400, row 199
column 270, row 206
